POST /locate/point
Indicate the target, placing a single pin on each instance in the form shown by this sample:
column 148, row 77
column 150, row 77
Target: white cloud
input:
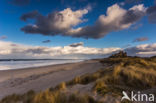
column 12, row 50
column 20, row 51
column 70, row 18
column 139, row 7
column 147, row 53
column 116, row 19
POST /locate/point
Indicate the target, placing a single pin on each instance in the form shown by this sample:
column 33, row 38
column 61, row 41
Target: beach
column 20, row 81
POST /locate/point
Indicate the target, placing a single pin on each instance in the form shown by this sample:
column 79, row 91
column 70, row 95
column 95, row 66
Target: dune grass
column 49, row 96
column 122, row 73
column 131, row 73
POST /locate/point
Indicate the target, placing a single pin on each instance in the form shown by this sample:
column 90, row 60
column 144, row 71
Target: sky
column 77, row 29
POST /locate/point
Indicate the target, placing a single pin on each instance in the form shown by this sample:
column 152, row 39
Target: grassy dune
column 119, row 73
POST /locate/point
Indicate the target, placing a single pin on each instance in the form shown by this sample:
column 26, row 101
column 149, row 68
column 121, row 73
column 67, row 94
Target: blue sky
column 12, row 10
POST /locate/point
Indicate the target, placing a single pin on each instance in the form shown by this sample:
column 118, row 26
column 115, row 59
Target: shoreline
column 42, row 65
column 51, row 67
column 40, row 78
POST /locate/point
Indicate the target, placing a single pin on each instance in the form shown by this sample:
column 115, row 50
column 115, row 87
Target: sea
column 9, row 64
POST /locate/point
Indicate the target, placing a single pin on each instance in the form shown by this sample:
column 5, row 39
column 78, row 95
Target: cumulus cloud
column 115, row 20
column 151, row 12
column 19, row 51
column 141, row 39
column 76, row 44
column 54, row 23
column 64, row 22
column 46, row 41
column 19, row 2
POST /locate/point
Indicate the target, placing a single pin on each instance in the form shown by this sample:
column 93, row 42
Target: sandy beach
column 40, row 78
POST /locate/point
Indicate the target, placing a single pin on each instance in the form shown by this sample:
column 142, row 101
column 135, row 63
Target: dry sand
column 22, row 80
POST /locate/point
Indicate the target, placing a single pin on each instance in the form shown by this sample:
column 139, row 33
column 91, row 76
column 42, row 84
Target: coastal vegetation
column 120, row 72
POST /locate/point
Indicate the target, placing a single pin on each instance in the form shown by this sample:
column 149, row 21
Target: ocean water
column 7, row 65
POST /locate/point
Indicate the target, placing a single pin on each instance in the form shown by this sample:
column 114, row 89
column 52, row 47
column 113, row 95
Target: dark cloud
column 14, row 45
column 132, row 16
column 145, row 50
column 3, row 37
column 31, row 15
column 151, row 13
column 63, row 22
column 44, row 24
column 133, row 1
column 76, row 44
column 136, row 26
column 141, row 39
column 39, row 50
column 46, row 41
column 54, row 23
column 19, row 2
